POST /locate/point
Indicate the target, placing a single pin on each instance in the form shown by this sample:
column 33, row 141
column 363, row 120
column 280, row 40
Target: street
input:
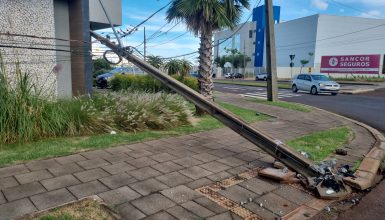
column 366, row 107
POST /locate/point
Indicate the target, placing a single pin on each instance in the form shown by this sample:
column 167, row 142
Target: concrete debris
column 345, row 171
column 305, row 154
column 260, row 205
column 113, row 132
column 282, row 175
column 328, row 209
column 329, row 185
column 278, row 165
column 342, row 152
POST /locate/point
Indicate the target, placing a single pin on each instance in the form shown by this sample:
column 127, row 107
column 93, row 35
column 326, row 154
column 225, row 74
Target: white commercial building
column 318, row 35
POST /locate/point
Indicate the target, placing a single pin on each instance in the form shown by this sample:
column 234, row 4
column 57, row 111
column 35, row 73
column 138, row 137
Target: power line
column 42, row 38
column 239, row 28
column 166, row 42
column 141, row 23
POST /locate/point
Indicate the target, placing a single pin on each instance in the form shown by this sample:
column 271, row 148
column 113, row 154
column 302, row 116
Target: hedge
column 147, row 83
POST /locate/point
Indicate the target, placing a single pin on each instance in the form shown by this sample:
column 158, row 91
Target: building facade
column 310, row 38
column 50, row 39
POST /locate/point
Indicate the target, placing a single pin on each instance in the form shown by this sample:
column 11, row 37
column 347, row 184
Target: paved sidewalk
column 157, row 179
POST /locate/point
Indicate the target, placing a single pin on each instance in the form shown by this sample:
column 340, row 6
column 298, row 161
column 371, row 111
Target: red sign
column 363, row 64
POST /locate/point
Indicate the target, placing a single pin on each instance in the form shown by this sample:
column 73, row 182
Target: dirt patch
column 84, row 209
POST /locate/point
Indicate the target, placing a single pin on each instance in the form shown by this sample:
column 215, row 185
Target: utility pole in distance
column 271, row 67
column 144, row 45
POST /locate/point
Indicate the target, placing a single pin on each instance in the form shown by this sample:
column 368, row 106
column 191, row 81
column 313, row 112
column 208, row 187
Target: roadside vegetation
column 360, row 78
column 250, row 83
column 320, row 145
column 146, row 83
column 54, row 147
column 27, row 114
column 282, row 104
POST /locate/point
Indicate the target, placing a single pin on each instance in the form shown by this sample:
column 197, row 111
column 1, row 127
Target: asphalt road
column 366, row 107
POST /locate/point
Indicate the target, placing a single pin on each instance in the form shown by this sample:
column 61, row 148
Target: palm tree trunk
column 205, row 64
column 205, row 84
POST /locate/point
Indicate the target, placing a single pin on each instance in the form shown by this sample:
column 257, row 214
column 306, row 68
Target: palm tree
column 173, row 67
column 155, row 61
column 185, row 68
column 202, row 17
column 303, row 63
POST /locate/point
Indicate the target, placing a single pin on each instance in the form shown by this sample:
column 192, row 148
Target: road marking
column 263, row 95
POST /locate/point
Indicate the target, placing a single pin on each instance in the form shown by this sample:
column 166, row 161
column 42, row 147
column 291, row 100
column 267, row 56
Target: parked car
column 239, row 76
column 229, row 76
column 195, row 74
column 261, row 76
column 315, row 83
column 103, row 79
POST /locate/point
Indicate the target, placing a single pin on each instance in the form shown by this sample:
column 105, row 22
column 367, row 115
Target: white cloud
column 320, row 4
column 371, row 14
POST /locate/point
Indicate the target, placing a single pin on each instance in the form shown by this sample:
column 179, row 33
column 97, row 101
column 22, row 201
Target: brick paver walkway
column 157, row 179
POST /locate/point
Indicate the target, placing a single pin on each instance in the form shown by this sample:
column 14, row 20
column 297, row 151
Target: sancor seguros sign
column 362, row 64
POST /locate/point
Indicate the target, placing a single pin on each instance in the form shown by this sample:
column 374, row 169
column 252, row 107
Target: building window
column 259, row 29
column 250, row 33
column 223, row 45
column 259, row 42
column 254, row 43
column 237, row 42
column 258, row 54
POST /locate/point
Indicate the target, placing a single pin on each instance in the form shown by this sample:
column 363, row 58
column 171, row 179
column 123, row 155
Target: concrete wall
column 63, row 59
column 32, row 17
column 98, row 18
column 296, row 37
column 338, row 35
column 246, row 43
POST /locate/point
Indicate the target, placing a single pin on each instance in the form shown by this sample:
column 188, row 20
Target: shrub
column 147, row 83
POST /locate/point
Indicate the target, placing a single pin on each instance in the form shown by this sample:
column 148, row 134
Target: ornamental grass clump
column 27, row 114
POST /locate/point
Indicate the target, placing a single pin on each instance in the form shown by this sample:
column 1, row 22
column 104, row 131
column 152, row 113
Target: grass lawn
column 287, row 105
column 321, row 144
column 251, row 83
column 21, row 152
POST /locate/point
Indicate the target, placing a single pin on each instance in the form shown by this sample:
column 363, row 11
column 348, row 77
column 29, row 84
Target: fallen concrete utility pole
column 275, row 148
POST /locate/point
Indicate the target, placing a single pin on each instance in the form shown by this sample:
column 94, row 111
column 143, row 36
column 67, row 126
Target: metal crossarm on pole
column 275, row 148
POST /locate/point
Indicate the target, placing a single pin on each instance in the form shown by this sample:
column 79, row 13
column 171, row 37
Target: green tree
column 303, row 64
column 100, row 66
column 236, row 58
column 173, row 67
column 185, row 68
column 202, row 17
column 155, row 61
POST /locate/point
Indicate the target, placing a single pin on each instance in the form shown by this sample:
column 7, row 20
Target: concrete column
column 81, row 60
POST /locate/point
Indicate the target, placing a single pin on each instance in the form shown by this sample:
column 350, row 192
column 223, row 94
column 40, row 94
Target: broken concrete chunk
column 326, row 193
column 281, row 175
column 278, row 165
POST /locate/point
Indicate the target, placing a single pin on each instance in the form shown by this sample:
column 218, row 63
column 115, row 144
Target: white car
column 261, row 76
column 315, row 83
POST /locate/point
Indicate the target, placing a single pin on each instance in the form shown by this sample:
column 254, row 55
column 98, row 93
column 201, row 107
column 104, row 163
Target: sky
column 179, row 41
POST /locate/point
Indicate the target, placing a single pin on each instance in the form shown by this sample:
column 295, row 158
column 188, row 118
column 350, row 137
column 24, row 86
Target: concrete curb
column 366, row 172
column 356, row 91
